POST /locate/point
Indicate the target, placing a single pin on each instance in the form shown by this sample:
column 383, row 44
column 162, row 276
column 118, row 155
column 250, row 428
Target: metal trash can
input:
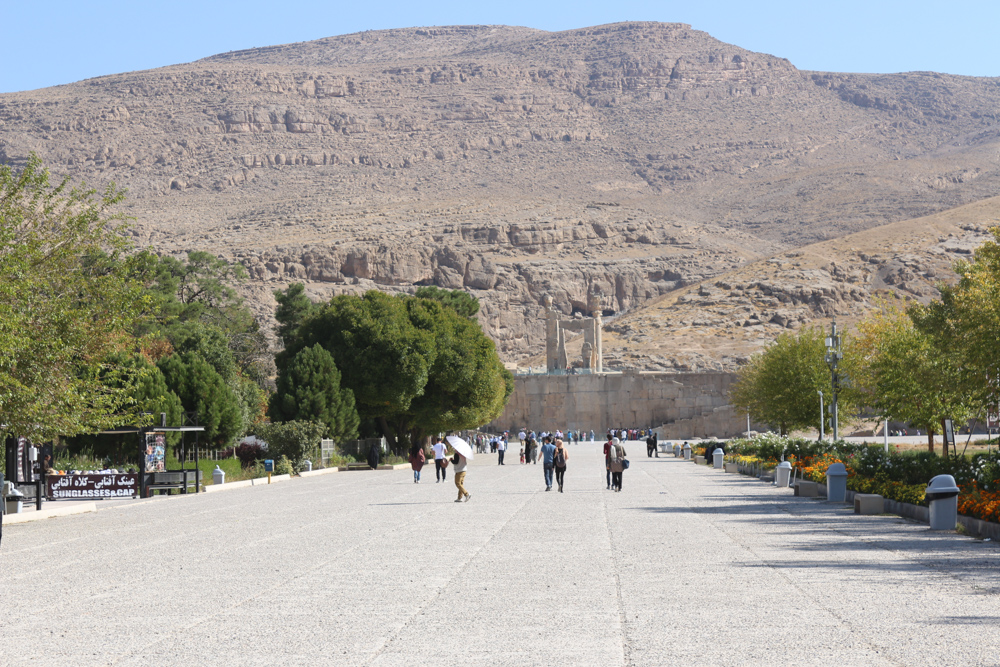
column 218, row 476
column 717, row 457
column 687, row 451
column 677, row 450
column 836, row 482
column 942, row 496
column 782, row 474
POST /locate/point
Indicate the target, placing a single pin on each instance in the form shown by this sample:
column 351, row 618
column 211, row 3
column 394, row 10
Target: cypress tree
column 309, row 390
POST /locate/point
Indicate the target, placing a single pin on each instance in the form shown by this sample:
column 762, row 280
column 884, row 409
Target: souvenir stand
column 152, row 458
column 152, row 475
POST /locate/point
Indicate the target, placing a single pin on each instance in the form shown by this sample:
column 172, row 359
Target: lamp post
column 833, row 357
column 822, row 417
column 748, row 422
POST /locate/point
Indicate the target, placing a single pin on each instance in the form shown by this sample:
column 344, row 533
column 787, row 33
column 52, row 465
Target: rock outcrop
column 607, row 167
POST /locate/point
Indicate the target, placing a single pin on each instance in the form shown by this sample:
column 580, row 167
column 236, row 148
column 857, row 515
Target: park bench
column 173, row 479
column 868, row 503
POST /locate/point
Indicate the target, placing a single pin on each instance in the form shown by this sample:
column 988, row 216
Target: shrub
column 283, row 466
column 249, row 453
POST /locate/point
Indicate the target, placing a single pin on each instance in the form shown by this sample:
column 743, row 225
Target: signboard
column 156, row 452
column 78, row 487
column 949, row 433
column 21, row 470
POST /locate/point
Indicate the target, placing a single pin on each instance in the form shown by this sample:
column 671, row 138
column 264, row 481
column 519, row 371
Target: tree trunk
column 944, row 440
column 388, row 433
column 930, row 438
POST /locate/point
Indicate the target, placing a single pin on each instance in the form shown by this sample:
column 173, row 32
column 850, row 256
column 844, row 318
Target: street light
column 822, row 417
column 833, row 357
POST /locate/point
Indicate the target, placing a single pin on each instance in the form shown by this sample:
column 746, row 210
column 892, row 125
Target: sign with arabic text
column 96, row 485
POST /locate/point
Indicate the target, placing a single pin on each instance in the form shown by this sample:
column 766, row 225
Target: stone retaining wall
column 687, row 405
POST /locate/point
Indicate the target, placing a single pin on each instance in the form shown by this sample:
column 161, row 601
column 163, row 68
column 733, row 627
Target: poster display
column 156, row 452
column 93, row 485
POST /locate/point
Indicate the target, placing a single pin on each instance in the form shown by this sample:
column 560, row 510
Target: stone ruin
column 556, row 359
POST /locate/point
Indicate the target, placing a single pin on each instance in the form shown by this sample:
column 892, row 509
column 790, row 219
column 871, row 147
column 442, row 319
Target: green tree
column 151, row 395
column 780, row 385
column 63, row 320
column 964, row 324
column 415, row 366
column 461, row 302
column 902, row 373
column 293, row 307
column 203, row 391
column 308, row 389
column 295, row 439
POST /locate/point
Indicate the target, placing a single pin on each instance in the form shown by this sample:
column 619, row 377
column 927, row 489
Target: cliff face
column 605, row 166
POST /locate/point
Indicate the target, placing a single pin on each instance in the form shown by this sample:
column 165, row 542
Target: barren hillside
column 606, row 166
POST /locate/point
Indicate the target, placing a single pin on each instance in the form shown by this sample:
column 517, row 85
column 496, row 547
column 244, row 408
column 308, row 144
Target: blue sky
column 61, row 41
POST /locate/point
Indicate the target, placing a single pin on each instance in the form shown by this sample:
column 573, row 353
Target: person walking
column 617, row 464
column 440, row 462
column 547, row 454
column 651, row 446
column 501, row 449
column 417, row 460
column 374, row 453
column 460, row 463
column 559, row 460
column 607, row 457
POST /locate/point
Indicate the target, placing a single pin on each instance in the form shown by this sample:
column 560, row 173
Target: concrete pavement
column 685, row 566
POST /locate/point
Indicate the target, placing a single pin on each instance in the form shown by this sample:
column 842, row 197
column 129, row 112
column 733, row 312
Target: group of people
column 624, row 434
column 549, row 449
column 441, row 462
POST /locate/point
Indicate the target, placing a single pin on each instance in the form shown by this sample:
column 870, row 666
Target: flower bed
column 893, row 475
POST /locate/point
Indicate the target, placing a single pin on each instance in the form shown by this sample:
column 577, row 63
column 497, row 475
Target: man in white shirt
column 501, row 448
column 439, row 455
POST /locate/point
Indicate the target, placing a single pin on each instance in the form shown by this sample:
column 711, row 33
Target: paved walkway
column 686, row 566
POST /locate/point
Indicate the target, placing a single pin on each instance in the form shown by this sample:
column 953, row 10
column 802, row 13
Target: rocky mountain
column 607, row 166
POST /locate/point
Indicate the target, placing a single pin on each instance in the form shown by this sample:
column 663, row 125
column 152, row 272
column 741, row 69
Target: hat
column 615, row 441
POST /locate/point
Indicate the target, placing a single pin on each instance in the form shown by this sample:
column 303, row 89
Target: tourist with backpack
column 547, row 454
column 560, row 459
column 617, row 464
column 440, row 460
column 460, row 463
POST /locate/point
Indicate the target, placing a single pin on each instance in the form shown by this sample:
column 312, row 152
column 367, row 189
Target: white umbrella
column 460, row 446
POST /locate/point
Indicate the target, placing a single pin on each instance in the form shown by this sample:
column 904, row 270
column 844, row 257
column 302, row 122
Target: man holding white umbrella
column 463, row 454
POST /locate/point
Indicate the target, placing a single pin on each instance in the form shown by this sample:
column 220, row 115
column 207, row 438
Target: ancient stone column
column 598, row 347
column 562, row 359
column 551, row 335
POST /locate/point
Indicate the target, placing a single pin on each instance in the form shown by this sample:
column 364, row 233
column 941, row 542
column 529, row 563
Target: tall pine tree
column 309, row 390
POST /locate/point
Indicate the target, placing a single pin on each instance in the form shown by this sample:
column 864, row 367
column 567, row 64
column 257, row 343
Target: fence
column 210, row 454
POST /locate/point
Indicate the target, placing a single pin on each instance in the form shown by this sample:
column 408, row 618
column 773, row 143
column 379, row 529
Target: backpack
column 560, row 459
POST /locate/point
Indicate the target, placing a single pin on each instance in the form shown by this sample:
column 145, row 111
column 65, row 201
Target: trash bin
column 677, row 450
column 782, row 474
column 307, row 465
column 14, row 500
column 942, row 496
column 218, row 476
column 687, row 451
column 717, row 457
column 836, row 482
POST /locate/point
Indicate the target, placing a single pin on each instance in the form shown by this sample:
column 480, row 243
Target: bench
column 868, row 503
column 173, row 479
column 355, row 466
column 730, row 466
column 807, row 489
